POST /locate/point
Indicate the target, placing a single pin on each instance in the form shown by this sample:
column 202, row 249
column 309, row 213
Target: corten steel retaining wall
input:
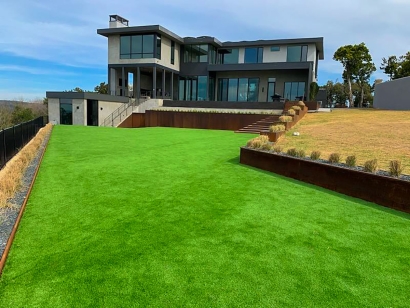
column 386, row 191
column 12, row 139
column 223, row 105
column 312, row 105
column 204, row 120
column 135, row 120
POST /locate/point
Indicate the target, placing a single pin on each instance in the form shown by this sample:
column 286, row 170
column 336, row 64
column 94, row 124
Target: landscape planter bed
column 273, row 136
column 383, row 190
column 203, row 120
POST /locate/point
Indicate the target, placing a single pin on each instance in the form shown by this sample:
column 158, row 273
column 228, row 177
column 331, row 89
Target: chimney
column 117, row 21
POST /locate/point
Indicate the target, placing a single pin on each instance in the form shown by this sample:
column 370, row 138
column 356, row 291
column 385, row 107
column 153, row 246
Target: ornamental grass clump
column 266, row 146
column 277, row 128
column 258, row 142
column 315, row 155
column 334, row 158
column 300, row 153
column 277, row 149
column 291, row 112
column 351, row 161
column 301, row 104
column 395, row 168
column 296, row 108
column 285, row 118
column 292, row 152
column 371, row 166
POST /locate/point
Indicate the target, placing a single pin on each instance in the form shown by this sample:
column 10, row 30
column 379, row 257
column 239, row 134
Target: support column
column 138, row 83
column 154, row 82
column 109, row 81
column 172, row 86
column 163, row 84
column 123, row 81
column 310, row 78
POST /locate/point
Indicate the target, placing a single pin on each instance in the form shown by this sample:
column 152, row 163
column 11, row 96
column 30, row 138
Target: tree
column 357, row 63
column 102, row 88
column 314, row 88
column 5, row 117
column 21, row 114
column 396, row 67
column 76, row 89
column 390, row 66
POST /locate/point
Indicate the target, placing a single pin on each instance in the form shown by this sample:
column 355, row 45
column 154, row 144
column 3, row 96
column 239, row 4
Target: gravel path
column 9, row 215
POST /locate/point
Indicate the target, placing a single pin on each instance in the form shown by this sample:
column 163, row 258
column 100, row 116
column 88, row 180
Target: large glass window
column 228, row 56
column 172, row 52
column 294, row 90
column 66, row 111
column 196, row 53
column 212, row 54
column 253, row 89
column 233, row 90
column 238, row 89
column 243, row 90
column 254, row 55
column 271, row 89
column 211, row 89
column 139, row 46
column 193, row 88
column 297, row 53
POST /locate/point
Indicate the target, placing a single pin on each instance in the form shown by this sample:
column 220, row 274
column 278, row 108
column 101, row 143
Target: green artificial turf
column 165, row 217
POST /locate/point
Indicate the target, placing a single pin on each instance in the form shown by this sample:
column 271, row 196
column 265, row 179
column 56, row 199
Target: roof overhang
column 141, row 30
column 87, row 95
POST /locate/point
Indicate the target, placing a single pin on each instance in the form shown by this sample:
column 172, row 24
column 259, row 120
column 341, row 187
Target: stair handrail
column 110, row 119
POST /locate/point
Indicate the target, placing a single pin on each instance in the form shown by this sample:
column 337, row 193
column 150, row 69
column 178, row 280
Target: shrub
column 296, row 108
column 351, row 161
column 300, row 153
column 315, row 155
column 258, row 142
column 371, row 166
column 292, row 152
column 395, row 168
column 302, row 104
column 285, row 118
column 277, row 128
column 277, row 149
column 266, row 146
column 334, row 158
column 291, row 112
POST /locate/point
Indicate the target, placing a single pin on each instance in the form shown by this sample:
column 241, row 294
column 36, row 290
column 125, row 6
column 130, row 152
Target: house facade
column 160, row 64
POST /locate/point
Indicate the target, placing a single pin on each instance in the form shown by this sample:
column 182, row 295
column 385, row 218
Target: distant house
column 161, row 65
column 393, row 95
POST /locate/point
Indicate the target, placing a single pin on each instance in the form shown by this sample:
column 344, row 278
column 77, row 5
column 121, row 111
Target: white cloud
column 34, row 71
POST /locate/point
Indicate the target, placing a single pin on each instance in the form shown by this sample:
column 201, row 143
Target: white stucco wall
column 54, row 110
column 105, row 109
column 80, row 114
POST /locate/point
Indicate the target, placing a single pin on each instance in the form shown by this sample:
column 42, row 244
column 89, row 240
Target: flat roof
column 87, row 95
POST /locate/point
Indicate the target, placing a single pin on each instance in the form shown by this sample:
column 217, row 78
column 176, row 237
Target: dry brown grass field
column 367, row 134
column 12, row 173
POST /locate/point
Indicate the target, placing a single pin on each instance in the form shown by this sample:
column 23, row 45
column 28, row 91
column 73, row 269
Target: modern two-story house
column 162, row 64
column 153, row 65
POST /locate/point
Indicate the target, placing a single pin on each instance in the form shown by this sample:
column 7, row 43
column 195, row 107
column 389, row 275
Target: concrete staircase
column 259, row 126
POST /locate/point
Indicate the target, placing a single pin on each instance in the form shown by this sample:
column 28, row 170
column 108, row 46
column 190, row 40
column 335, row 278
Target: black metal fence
column 12, row 139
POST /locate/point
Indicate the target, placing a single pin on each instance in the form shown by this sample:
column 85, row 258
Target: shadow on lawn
column 235, row 161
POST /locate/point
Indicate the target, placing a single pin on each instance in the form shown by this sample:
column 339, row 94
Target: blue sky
column 53, row 45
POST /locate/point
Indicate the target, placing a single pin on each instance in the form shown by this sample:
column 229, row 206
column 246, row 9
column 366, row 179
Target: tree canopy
column 358, row 66
column 396, row 67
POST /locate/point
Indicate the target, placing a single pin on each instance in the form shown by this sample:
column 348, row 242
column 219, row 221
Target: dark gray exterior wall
column 393, row 95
